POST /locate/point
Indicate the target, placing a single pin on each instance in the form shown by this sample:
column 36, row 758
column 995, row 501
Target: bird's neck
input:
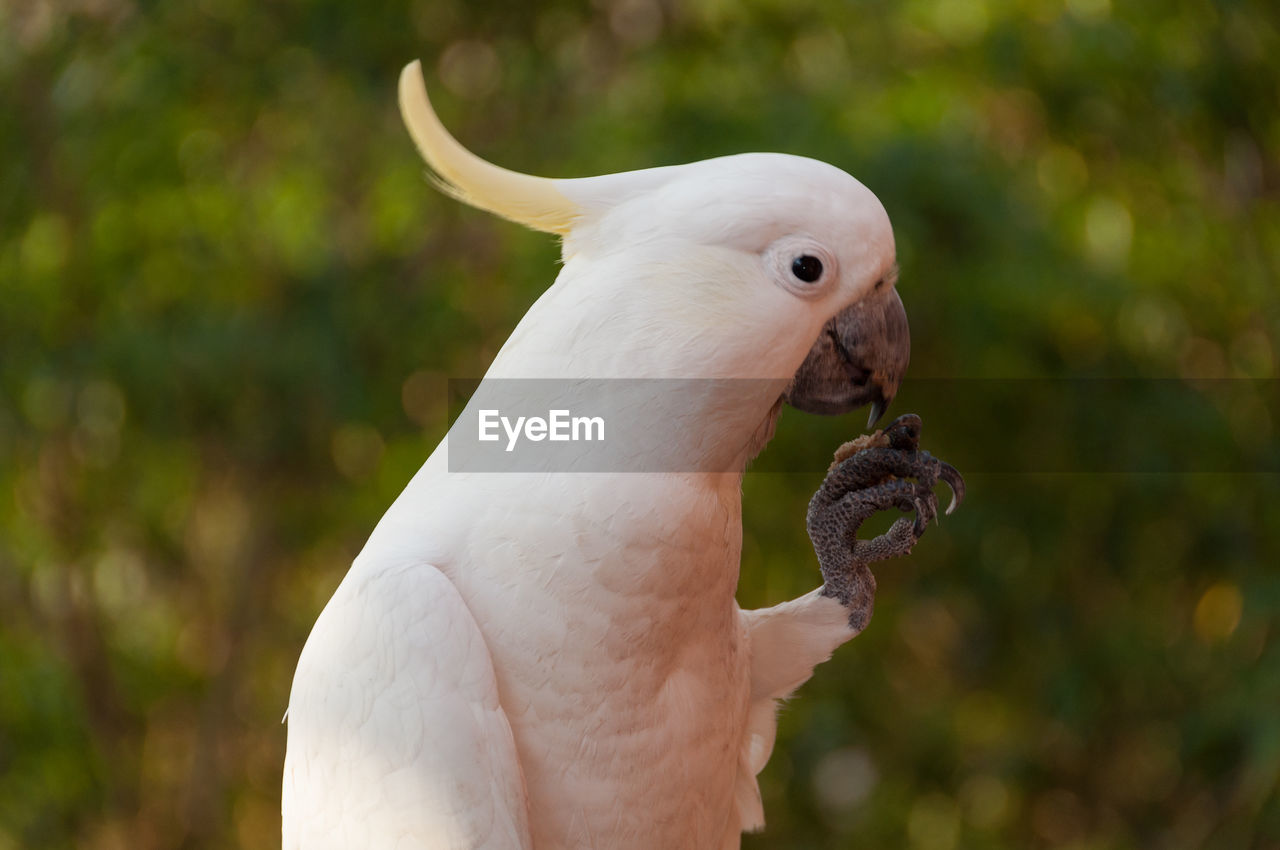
column 667, row 407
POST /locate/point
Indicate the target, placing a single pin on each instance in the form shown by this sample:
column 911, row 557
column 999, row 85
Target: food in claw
column 876, row 439
column 870, row 474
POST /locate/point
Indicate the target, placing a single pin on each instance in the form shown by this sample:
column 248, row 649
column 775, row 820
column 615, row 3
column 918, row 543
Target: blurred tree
column 229, row 304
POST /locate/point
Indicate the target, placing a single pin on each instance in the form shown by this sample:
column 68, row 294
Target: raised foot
column 874, row 475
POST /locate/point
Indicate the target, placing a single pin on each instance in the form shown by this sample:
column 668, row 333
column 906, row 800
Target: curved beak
column 858, row 359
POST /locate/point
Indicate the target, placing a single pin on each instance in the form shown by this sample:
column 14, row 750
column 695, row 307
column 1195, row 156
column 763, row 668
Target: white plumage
column 556, row 660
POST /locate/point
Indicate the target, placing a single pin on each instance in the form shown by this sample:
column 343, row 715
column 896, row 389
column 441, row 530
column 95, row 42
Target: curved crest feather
column 532, row 201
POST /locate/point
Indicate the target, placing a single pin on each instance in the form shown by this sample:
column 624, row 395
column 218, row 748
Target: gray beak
column 859, row 358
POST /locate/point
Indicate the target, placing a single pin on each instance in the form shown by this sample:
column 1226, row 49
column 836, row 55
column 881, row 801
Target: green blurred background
column 229, row 305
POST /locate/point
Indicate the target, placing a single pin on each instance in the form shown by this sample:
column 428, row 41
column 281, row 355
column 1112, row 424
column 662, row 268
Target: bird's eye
column 807, row 267
column 800, row 264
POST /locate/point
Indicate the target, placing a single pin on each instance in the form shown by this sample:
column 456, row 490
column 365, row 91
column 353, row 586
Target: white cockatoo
column 556, row 659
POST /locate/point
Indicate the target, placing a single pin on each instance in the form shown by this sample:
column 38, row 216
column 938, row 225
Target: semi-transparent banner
column 1005, row 426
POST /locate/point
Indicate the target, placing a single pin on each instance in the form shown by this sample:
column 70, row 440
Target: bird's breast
column 619, row 658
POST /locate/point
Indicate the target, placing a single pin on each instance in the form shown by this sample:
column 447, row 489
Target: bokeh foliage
column 229, row 304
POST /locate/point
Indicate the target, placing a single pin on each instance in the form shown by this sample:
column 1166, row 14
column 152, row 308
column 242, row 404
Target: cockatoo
column 556, row 660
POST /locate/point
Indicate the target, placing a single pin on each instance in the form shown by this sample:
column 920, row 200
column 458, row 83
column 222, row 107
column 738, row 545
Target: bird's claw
column 866, row 482
column 948, row 473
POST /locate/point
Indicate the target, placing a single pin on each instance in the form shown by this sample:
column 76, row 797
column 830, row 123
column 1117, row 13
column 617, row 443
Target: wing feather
column 396, row 736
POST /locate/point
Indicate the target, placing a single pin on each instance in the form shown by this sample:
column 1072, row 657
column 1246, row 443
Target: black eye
column 807, row 267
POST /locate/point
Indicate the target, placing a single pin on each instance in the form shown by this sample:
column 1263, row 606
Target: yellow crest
column 532, row 201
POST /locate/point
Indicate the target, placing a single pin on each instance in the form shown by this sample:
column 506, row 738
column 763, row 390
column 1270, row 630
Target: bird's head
column 763, row 266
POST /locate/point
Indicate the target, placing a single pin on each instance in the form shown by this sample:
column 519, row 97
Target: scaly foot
column 870, row 480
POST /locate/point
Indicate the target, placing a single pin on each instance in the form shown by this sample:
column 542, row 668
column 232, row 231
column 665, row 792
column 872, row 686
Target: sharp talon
column 955, row 481
column 922, row 517
column 932, row 501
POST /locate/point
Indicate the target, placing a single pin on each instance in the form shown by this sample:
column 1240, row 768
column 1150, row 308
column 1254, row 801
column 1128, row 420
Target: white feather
column 556, row 660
